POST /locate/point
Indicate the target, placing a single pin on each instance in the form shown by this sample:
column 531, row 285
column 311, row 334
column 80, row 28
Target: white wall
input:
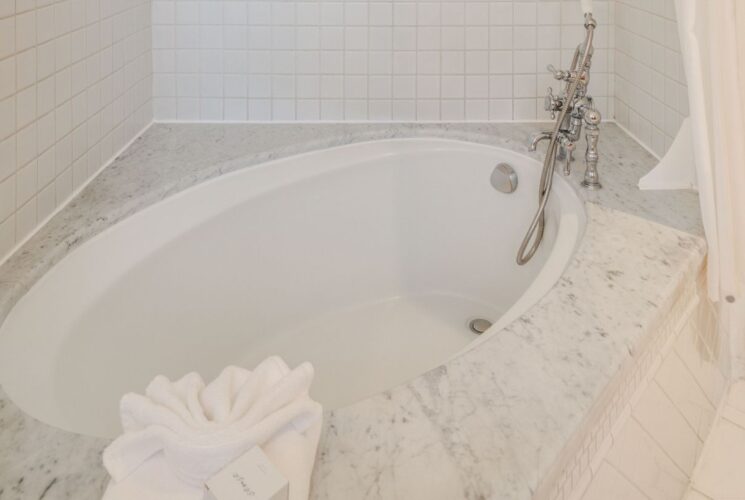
column 651, row 98
column 366, row 60
column 75, row 87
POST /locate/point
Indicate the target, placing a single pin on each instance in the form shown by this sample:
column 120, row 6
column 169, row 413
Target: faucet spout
column 538, row 138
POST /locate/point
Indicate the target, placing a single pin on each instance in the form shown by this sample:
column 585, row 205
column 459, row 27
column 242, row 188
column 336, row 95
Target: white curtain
column 712, row 36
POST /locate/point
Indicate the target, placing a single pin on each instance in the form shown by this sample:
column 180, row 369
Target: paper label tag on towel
column 250, row 477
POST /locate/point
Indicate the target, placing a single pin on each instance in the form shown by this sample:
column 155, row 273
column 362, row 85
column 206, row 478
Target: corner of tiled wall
column 650, row 93
column 75, row 88
column 80, row 78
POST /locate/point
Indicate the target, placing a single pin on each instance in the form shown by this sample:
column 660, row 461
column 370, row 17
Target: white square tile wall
column 75, row 87
column 650, row 93
column 80, row 78
column 376, row 60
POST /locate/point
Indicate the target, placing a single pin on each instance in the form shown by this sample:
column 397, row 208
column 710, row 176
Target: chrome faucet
column 572, row 109
column 580, row 110
column 566, row 145
column 536, row 138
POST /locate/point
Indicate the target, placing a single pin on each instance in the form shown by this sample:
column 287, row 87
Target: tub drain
column 479, row 325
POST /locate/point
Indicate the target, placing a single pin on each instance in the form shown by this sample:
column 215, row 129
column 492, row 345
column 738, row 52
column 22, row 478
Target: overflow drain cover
column 479, row 325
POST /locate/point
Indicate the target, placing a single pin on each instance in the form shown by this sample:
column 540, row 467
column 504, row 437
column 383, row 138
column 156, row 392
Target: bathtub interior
column 367, row 260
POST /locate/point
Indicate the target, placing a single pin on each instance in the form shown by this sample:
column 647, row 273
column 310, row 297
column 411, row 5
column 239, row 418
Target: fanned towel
column 179, row 434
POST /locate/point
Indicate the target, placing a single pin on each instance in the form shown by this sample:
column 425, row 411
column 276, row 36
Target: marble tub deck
column 490, row 423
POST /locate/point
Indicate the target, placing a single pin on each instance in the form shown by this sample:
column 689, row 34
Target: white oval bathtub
column 368, row 260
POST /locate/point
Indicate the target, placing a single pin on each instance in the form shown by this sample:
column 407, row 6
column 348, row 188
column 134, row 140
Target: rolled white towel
column 179, row 434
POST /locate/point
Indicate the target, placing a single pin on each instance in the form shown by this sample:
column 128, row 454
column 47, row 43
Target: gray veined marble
column 488, row 423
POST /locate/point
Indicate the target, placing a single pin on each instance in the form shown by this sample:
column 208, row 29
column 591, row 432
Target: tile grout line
column 707, row 443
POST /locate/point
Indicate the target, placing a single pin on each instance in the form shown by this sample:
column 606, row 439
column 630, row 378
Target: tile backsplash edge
column 72, row 196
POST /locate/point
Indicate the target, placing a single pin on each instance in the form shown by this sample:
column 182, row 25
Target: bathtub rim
column 563, row 189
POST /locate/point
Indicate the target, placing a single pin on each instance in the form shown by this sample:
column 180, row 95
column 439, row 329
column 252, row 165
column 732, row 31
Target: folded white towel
column 179, row 434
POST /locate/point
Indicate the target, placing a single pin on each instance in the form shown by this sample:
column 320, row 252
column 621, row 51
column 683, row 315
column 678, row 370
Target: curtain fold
column 713, row 46
column 712, row 37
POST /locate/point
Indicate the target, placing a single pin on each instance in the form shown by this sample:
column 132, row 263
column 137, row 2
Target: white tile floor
column 720, row 473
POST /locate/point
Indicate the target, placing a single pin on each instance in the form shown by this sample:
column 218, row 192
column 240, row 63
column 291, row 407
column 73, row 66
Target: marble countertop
column 491, row 421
